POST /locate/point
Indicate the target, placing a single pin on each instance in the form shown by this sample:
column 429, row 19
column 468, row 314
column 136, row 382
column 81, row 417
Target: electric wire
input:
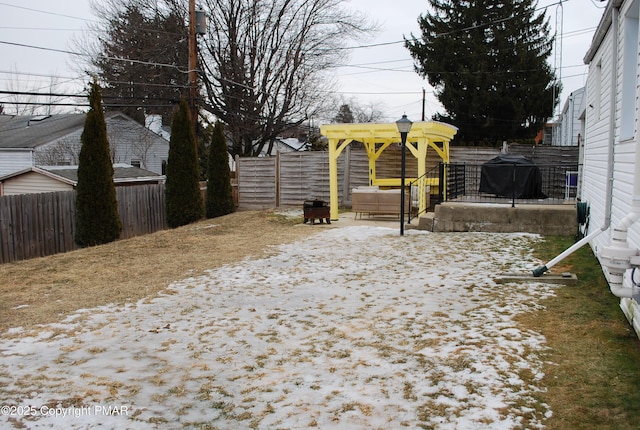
column 364, row 66
column 45, row 12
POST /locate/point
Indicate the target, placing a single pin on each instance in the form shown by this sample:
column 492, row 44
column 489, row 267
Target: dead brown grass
column 592, row 367
column 45, row 290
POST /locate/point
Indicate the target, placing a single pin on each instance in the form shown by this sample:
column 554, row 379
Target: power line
column 41, row 29
column 85, row 104
column 64, row 51
column 45, row 12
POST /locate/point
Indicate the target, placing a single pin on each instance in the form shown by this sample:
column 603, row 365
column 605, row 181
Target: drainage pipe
column 579, row 244
column 618, row 256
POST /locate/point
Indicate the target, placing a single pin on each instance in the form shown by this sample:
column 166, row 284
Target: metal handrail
column 422, row 192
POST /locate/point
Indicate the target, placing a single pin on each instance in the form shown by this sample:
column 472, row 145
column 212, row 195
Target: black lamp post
column 404, row 126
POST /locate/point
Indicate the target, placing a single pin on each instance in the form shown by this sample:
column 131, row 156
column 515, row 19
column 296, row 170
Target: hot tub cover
column 497, row 177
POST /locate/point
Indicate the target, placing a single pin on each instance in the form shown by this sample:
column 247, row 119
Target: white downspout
column 612, row 119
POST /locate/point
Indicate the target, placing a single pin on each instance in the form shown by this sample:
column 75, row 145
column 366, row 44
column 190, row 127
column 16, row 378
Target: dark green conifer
column 219, row 192
column 487, row 61
column 97, row 219
column 182, row 190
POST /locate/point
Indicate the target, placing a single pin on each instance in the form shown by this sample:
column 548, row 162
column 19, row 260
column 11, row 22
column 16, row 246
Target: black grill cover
column 497, row 177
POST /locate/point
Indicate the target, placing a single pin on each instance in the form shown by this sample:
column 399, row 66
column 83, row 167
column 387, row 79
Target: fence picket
column 35, row 225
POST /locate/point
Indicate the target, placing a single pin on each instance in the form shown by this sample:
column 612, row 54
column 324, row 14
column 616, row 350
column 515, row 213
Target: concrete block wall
column 558, row 220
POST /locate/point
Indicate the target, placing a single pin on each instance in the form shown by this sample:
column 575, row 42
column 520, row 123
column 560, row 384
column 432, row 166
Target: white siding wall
column 597, row 138
column 33, row 182
column 570, row 126
column 128, row 141
column 14, row 160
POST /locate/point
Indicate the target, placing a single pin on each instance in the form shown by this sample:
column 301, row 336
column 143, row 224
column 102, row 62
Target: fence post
column 346, row 181
column 440, row 181
column 277, row 174
column 513, row 187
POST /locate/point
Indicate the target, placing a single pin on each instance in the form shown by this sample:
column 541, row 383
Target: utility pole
column 424, row 100
column 557, row 66
column 193, row 64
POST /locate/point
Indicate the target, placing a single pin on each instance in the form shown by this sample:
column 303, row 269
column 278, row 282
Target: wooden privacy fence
column 290, row 178
column 36, row 225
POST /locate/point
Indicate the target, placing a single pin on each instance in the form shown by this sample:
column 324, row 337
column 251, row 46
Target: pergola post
column 333, row 178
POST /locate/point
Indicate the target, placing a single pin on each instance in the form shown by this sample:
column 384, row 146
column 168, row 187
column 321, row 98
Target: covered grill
column 316, row 209
column 512, row 176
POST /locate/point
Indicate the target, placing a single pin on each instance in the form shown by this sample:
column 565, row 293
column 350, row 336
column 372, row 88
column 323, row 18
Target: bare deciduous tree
column 351, row 110
column 26, row 102
column 265, row 64
column 62, row 152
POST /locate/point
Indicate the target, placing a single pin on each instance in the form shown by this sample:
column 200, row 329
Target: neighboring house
column 288, row 144
column 568, row 130
column 571, row 127
column 27, row 141
column 547, row 135
column 46, row 179
column 611, row 159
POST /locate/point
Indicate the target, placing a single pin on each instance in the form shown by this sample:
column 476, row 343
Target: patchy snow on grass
column 354, row 327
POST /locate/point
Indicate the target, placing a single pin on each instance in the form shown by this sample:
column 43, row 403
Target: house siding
column 570, row 125
column 31, row 183
column 14, row 160
column 605, row 61
column 128, row 141
column 594, row 183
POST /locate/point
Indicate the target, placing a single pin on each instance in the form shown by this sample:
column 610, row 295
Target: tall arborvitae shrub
column 97, row 219
column 219, row 192
column 182, row 190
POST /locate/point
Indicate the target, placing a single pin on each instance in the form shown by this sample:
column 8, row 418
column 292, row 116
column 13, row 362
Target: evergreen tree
column 182, row 189
column 345, row 115
column 152, row 37
column 97, row 219
column 219, row 192
column 487, row 61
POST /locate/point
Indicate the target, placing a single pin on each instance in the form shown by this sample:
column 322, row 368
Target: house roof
column 293, row 143
column 31, row 131
column 601, row 31
column 122, row 173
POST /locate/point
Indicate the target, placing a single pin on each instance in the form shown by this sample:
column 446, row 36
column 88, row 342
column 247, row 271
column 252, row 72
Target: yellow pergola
column 376, row 138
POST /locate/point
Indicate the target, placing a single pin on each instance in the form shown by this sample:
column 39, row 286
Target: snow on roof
column 294, row 143
column 354, row 327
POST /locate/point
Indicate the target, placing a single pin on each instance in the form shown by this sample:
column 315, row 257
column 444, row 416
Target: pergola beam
column 422, row 136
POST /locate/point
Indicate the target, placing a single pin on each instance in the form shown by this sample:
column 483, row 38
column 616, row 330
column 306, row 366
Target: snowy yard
column 355, row 327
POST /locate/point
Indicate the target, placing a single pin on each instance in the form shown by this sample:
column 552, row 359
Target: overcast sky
column 395, row 89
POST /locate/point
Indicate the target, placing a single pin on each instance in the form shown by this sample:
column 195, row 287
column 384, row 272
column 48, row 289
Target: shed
column 46, row 179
